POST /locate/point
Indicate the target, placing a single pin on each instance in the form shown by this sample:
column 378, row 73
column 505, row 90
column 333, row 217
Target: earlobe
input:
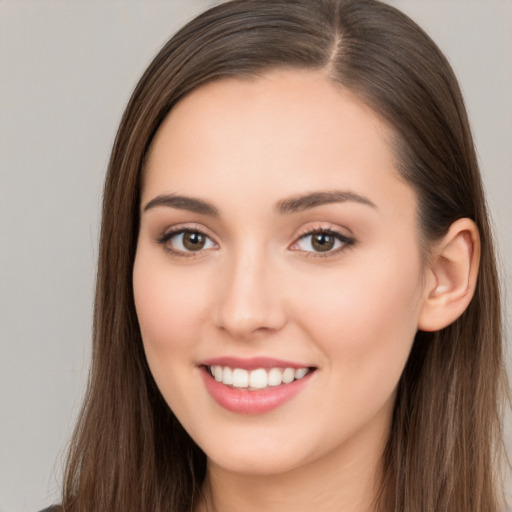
column 452, row 278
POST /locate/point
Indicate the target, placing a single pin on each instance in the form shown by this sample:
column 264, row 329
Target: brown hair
column 129, row 452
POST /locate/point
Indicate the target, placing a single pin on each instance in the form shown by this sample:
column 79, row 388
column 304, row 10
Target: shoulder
column 53, row 508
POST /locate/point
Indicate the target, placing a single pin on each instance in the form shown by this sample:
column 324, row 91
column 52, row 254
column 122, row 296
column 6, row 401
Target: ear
column 451, row 276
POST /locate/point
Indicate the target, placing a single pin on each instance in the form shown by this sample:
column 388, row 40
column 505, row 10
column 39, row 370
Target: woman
column 297, row 302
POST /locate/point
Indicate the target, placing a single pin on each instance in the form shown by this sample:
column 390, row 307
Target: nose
column 250, row 301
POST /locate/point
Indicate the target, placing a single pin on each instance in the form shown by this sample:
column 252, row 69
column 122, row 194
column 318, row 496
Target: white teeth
column 288, row 375
column 240, row 378
column 299, row 373
column 275, row 377
column 227, row 375
column 217, row 373
column 256, row 379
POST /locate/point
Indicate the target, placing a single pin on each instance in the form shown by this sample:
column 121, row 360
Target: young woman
column 297, row 303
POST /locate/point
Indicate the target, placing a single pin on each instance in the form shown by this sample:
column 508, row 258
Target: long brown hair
column 129, row 452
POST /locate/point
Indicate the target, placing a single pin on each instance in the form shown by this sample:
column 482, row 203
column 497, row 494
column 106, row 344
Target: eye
column 186, row 241
column 322, row 241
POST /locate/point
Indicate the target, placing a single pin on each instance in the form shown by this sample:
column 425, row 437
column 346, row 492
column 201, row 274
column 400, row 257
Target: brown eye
column 322, row 242
column 193, row 241
column 186, row 241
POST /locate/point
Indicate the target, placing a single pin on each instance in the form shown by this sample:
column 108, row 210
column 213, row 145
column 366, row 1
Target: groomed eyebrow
column 183, row 203
column 305, row 202
column 291, row 205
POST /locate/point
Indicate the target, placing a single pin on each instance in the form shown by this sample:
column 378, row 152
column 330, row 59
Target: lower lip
column 258, row 401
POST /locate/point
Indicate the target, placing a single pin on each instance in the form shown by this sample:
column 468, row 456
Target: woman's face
column 278, row 250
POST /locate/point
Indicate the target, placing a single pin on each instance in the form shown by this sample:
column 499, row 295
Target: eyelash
column 164, row 239
column 343, row 239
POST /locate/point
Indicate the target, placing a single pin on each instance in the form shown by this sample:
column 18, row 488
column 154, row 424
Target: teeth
column 240, row 378
column 288, row 375
column 275, row 377
column 227, row 375
column 300, row 373
column 256, row 379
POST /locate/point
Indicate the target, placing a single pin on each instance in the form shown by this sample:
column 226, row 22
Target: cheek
column 170, row 305
column 171, row 308
column 365, row 321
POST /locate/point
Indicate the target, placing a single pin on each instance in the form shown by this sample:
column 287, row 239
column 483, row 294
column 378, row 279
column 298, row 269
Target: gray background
column 67, row 69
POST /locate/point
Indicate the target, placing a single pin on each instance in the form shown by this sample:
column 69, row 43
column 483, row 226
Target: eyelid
column 185, row 228
column 346, row 240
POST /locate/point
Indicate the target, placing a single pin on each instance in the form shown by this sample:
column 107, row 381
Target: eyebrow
column 308, row 201
column 287, row 206
column 183, row 203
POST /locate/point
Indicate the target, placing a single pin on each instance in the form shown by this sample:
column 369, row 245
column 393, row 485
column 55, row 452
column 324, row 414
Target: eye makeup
column 323, row 242
column 191, row 241
column 186, row 241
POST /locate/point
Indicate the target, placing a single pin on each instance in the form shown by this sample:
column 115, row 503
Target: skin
column 259, row 289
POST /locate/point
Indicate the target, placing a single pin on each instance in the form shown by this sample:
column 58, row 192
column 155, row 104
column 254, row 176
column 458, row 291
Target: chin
column 255, row 463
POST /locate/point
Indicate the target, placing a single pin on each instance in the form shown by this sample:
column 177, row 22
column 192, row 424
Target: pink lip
column 252, row 363
column 259, row 401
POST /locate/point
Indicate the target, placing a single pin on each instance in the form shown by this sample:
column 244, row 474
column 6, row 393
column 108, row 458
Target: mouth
column 259, row 378
column 254, row 386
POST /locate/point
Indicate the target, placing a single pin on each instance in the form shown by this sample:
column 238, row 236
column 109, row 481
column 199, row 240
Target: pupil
column 323, row 242
column 193, row 241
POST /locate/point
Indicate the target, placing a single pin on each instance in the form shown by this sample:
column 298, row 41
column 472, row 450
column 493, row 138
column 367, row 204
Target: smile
column 259, row 378
column 256, row 385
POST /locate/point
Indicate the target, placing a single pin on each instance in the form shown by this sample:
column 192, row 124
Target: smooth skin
column 247, row 278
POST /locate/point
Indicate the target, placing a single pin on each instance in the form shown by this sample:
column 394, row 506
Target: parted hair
column 129, row 452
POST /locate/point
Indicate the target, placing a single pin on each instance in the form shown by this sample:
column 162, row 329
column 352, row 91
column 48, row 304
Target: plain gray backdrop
column 67, row 68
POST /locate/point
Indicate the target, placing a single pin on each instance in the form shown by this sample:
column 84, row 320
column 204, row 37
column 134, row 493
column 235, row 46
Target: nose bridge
column 249, row 301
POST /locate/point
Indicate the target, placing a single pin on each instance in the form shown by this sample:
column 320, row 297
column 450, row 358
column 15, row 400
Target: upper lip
column 252, row 363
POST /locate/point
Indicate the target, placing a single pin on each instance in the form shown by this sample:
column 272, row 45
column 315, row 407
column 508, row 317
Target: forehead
column 281, row 133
